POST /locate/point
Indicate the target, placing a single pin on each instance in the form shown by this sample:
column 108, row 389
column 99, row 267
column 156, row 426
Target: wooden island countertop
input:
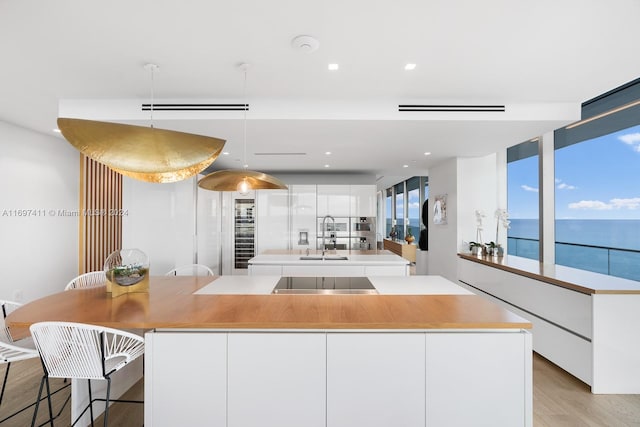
column 171, row 303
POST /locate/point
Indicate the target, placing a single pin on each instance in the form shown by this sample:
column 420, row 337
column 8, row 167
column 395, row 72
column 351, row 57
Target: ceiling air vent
column 280, row 154
column 196, row 107
column 453, row 108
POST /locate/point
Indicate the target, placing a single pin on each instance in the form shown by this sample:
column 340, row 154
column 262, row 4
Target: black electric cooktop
column 324, row 285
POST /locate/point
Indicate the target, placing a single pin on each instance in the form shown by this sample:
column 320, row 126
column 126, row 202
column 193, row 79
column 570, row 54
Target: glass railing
column 617, row 262
column 526, row 248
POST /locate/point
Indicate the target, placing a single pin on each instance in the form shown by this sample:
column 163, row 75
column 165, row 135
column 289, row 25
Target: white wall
column 160, row 222
column 39, row 253
column 470, row 184
column 478, row 190
column 209, row 229
column 443, row 239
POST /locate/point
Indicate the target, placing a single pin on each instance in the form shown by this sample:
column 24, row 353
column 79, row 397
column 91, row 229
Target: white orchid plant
column 502, row 218
column 479, row 217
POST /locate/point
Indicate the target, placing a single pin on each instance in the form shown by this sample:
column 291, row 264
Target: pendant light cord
column 152, row 68
column 244, row 95
column 152, row 93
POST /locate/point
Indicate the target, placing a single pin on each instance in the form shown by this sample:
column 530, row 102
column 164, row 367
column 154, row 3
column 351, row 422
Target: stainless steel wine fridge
column 244, row 233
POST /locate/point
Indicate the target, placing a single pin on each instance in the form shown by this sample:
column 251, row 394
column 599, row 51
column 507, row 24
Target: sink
column 311, row 258
column 336, row 258
column 326, row 258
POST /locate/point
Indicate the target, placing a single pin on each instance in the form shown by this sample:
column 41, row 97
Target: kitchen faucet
column 324, row 229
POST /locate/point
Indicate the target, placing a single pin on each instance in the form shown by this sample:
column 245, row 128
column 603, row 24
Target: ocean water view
column 604, row 246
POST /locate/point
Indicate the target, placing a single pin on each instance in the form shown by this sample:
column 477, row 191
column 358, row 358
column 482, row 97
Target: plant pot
column 477, row 251
column 409, row 238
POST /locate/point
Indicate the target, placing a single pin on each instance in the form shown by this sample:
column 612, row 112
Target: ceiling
column 85, row 58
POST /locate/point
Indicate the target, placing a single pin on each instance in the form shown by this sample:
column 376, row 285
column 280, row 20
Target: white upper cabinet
column 272, row 226
column 363, row 200
column 303, row 216
column 334, row 200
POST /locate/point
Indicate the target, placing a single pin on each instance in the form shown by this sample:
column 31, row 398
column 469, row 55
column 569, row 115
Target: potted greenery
column 476, row 248
column 494, row 249
column 409, row 237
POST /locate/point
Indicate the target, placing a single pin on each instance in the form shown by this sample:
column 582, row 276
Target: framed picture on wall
column 440, row 210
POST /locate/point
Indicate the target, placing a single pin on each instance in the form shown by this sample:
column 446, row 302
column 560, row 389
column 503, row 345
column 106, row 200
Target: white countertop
column 417, row 285
column 392, row 285
column 377, row 259
column 240, row 285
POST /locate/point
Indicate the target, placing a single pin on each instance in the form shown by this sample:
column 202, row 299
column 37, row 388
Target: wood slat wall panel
column 100, row 219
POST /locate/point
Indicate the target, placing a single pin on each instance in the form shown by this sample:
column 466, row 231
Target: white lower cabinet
column 185, row 379
column 478, row 379
column 375, row 379
column 276, row 380
column 338, row 379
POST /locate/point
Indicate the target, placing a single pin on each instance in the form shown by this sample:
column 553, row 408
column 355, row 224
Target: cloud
column 598, row 205
column 414, row 205
column 632, row 139
column 591, row 205
column 527, row 188
column 564, row 186
column 633, row 203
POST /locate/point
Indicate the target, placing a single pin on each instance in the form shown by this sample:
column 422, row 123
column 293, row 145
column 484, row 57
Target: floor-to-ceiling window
column 413, row 206
column 400, row 210
column 523, row 236
column 388, row 210
column 598, row 204
column 597, row 194
column 403, row 206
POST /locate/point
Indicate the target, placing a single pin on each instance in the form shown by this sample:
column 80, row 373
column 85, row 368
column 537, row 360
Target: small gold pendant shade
column 228, row 180
column 143, row 153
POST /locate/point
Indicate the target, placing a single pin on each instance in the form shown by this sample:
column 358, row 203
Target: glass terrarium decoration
column 127, row 271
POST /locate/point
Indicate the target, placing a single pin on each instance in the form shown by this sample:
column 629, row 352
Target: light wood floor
column 559, row 400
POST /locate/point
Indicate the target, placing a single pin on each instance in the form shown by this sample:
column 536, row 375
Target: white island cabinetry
column 276, row 379
column 190, row 369
column 444, row 377
column 377, row 368
column 381, row 264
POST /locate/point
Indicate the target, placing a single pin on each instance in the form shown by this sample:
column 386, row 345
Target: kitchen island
column 447, row 358
column 332, row 263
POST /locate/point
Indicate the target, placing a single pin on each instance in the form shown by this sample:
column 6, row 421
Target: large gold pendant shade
column 143, row 153
column 228, row 180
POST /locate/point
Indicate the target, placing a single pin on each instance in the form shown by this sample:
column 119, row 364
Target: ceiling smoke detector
column 305, row 44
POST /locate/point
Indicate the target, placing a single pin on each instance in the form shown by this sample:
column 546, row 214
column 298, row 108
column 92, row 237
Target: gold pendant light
column 139, row 152
column 234, row 179
column 241, row 180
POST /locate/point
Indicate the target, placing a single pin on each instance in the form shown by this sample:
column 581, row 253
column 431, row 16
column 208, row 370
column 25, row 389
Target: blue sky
column 595, row 179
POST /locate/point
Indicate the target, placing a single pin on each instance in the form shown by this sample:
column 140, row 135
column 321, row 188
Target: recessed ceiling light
column 328, row 153
column 410, row 67
column 405, row 166
column 333, row 67
column 56, row 130
column 427, row 153
column 225, row 153
column 326, row 166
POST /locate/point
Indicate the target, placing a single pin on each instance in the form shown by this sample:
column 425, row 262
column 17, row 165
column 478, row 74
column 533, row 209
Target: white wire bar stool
column 81, row 351
column 13, row 351
column 92, row 279
column 191, row 270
